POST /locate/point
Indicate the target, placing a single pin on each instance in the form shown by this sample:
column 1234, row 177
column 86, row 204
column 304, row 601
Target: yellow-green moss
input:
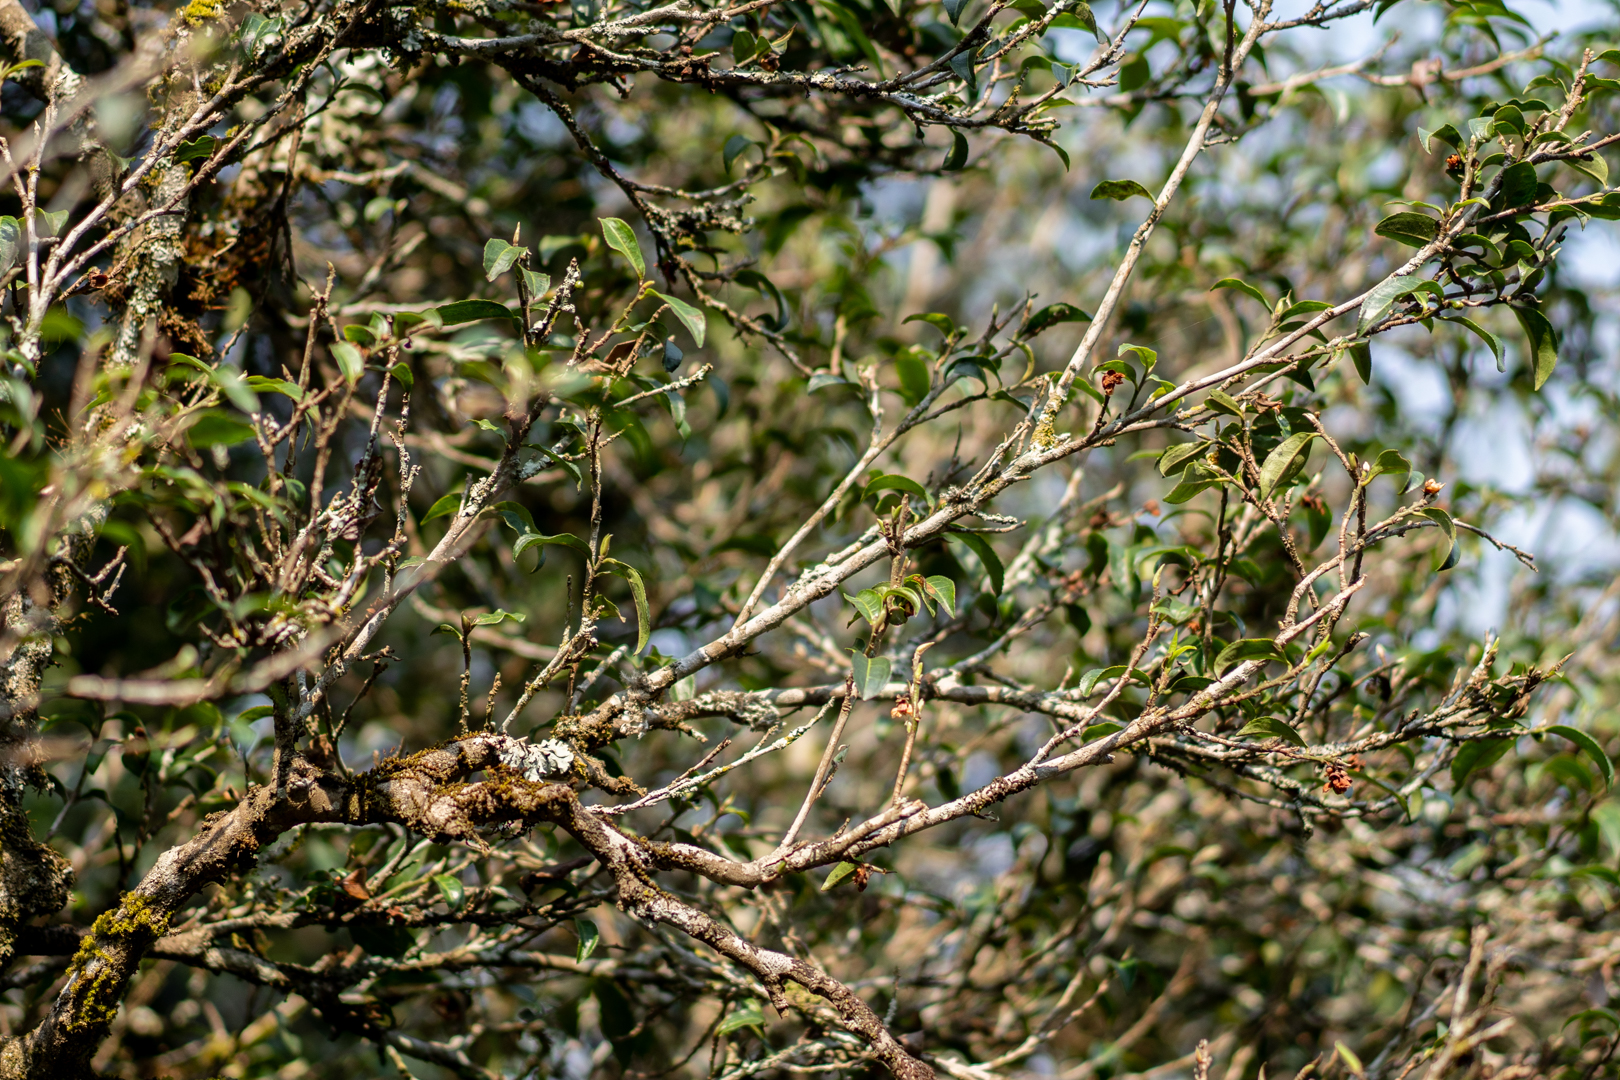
column 200, row 11
column 134, row 919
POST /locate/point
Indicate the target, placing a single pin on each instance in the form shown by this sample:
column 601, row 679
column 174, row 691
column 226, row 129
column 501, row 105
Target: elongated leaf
column 529, row 540
column 944, row 588
column 869, row 603
column 349, row 361
column 1243, row 287
column 749, row 1015
column 1176, row 457
column 1407, row 227
column 1051, row 315
column 895, row 482
column 451, row 889
column 1543, row 343
column 1483, row 334
column 499, row 257
column 871, row 675
column 1474, row 756
column 1194, row 478
column 1285, row 461
column 1590, row 747
column 695, row 321
column 1519, row 184
column 589, row 937
column 1383, row 297
column 463, row 311
column 637, row 590
column 10, row 242
column 837, row 874
column 987, row 557
column 622, row 238
column 1120, row 190
column 1269, row 727
column 1448, row 554
column 1247, row 649
column 956, row 157
column 449, row 504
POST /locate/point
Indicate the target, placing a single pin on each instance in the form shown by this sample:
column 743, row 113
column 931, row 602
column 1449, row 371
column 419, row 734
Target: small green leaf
column 1285, row 462
column 463, row 311
column 1269, row 727
column 499, row 257
column 1409, row 228
column 695, row 321
column 537, row 283
column 956, row 157
column 349, row 361
column 1120, row 190
column 638, row 590
column 987, row 557
column 1483, row 334
column 1247, row 649
column 216, row 428
column 869, row 603
column 944, row 588
column 260, row 384
column 895, row 482
column 1243, row 287
column 1351, row 1061
column 589, row 937
column 451, row 889
column 1382, row 297
column 1475, row 755
column 1146, row 356
column 1176, row 457
column 1448, row 555
column 733, row 148
column 1051, row 315
column 871, row 675
column 1389, row 461
column 837, row 874
column 749, row 1015
column 622, row 238
column 1543, row 343
column 1590, row 747
column 496, row 617
column 402, row 374
column 449, row 504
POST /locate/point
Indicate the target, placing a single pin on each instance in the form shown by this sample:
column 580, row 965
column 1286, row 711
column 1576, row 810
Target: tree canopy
column 969, row 539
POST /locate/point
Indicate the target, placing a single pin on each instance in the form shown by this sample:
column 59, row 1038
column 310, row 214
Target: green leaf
column 1221, row 401
column 451, row 889
column 1445, row 133
column 349, row 361
column 1474, row 756
column 1194, row 478
column 943, row 323
column 1590, row 747
column 260, row 384
column 871, row 675
column 1269, row 727
column 869, row 602
column 1247, row 649
column 1483, row 334
column 402, row 374
column 1148, row 357
column 463, row 311
column 749, row 1015
column 956, row 157
column 1382, row 298
column 537, row 283
column 1390, row 461
column 1361, row 356
column 1119, row 190
column 1543, row 342
column 499, row 257
column 895, row 482
column 216, row 428
column 733, row 148
column 1243, row 287
column 743, row 47
column 528, row 540
column 1051, row 315
column 200, row 147
column 987, row 557
column 448, row 504
column 1176, row 457
column 1448, row 556
column 944, row 588
column 1285, row 462
column 695, row 321
column 622, row 238
column 496, row 617
column 837, row 874
column 639, row 591
column 1408, row 228
column 850, row 23
column 10, row 242
column 589, row 937
column 1351, row 1061
column 1519, row 185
